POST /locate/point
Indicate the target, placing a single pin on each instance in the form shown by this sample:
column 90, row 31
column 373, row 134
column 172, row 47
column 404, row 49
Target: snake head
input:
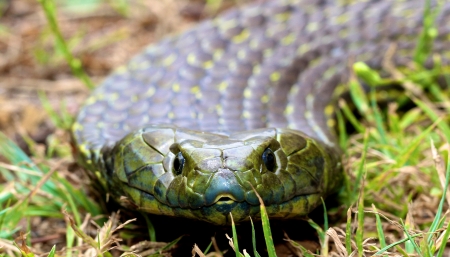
column 167, row 170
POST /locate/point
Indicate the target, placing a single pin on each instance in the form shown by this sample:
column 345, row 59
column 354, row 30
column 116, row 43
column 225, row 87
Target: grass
column 395, row 196
column 74, row 63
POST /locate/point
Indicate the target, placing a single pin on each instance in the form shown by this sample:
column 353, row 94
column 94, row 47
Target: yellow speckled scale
column 190, row 124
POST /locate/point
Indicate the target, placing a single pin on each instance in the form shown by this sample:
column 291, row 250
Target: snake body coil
column 191, row 124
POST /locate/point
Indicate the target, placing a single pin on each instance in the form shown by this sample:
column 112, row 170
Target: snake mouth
column 224, row 199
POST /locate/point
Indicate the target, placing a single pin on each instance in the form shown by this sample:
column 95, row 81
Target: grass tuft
column 75, row 64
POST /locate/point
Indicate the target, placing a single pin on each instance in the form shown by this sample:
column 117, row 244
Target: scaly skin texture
column 220, row 98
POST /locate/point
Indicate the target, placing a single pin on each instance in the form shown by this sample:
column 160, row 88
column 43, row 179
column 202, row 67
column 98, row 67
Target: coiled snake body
column 188, row 126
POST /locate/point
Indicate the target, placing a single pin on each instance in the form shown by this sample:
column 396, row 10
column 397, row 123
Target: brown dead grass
column 105, row 40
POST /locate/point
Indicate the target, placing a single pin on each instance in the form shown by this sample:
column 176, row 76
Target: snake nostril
column 224, row 199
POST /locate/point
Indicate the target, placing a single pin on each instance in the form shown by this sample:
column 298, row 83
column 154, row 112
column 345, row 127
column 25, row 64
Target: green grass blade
column 379, row 124
column 323, row 242
column 70, row 239
column 235, row 240
column 360, row 229
column 206, row 251
column 150, row 227
column 348, row 113
column 79, row 197
column 322, row 237
column 434, row 117
column 15, row 155
column 367, row 74
column 266, row 230
column 255, row 253
column 170, row 245
column 409, row 118
column 63, row 120
column 443, row 242
column 405, row 154
column 266, row 226
column 381, row 237
column 348, row 231
column 360, row 171
column 305, row 252
column 435, row 224
column 343, row 136
column 75, row 64
column 429, row 32
column 410, row 245
column 440, row 95
column 325, row 215
column 52, row 252
column 359, row 98
column 384, row 249
column 402, row 251
column 394, row 122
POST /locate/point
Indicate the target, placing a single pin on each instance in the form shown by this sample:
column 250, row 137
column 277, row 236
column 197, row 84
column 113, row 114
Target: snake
column 201, row 123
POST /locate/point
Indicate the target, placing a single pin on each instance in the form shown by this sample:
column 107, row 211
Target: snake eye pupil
column 268, row 158
column 178, row 163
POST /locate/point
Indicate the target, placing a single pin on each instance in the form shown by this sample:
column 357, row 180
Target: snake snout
column 224, row 187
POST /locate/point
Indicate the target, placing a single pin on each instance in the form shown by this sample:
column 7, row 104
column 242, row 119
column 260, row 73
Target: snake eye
column 268, row 158
column 178, row 163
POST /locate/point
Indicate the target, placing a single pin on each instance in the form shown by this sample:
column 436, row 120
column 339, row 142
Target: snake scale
column 192, row 123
